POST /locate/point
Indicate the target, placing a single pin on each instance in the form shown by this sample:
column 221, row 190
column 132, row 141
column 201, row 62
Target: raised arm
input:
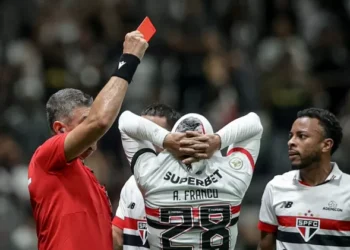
column 138, row 133
column 243, row 133
column 106, row 107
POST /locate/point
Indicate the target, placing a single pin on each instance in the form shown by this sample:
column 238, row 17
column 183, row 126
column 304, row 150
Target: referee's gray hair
column 61, row 104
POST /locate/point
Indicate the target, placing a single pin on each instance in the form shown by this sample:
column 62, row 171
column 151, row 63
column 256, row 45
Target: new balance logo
column 121, row 64
column 287, row 204
column 131, row 205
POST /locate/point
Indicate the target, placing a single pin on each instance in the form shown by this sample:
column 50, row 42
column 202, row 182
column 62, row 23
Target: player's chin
column 296, row 164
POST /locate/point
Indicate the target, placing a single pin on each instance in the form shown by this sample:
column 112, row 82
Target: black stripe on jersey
column 318, row 239
column 134, row 240
column 158, row 225
column 137, row 154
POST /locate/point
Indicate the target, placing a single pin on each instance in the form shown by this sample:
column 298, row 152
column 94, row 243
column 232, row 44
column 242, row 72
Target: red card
column 147, row 29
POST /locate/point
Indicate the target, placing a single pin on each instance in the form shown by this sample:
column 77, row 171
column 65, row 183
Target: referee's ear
column 59, row 127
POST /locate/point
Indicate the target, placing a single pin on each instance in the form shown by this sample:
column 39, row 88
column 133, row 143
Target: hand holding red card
column 147, row 29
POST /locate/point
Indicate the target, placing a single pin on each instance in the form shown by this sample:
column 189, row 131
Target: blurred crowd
column 220, row 58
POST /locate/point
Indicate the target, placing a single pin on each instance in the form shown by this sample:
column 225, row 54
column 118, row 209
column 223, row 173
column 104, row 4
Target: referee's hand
column 135, row 44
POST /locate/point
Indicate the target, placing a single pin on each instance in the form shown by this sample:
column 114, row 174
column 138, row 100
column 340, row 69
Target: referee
column 70, row 207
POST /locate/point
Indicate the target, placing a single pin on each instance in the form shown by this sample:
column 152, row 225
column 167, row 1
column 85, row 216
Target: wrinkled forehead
column 190, row 124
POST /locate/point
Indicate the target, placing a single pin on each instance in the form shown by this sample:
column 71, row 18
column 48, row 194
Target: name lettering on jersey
column 142, row 229
column 193, row 195
column 332, row 206
column 213, row 178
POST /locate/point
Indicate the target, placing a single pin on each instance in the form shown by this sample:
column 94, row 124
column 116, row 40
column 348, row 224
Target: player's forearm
column 107, row 104
column 117, row 238
column 241, row 129
column 140, row 128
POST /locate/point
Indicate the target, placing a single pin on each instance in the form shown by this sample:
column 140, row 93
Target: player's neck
column 316, row 174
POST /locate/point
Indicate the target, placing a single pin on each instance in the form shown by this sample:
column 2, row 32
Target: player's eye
column 302, row 136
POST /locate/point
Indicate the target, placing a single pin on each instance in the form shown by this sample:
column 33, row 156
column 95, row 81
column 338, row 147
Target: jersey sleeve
column 121, row 213
column 138, row 133
column 267, row 217
column 50, row 155
column 240, row 170
column 143, row 166
column 243, row 135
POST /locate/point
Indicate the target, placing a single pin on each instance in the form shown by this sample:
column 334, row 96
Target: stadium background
column 220, row 58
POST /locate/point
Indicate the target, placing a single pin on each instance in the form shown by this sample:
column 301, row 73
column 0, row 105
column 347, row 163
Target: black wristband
column 127, row 66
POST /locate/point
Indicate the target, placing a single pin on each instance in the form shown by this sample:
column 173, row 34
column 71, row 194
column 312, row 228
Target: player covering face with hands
column 70, row 207
column 197, row 205
column 129, row 223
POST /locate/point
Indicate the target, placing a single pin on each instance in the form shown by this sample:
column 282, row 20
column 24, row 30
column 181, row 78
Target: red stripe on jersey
column 155, row 211
column 326, row 224
column 130, row 223
column 118, row 222
column 265, row 227
column 243, row 151
column 235, row 209
column 304, row 183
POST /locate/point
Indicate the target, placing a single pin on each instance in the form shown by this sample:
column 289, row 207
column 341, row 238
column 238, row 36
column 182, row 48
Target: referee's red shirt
column 71, row 208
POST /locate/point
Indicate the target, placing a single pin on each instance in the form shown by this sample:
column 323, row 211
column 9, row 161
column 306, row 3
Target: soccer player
column 193, row 206
column 129, row 224
column 70, row 207
column 308, row 207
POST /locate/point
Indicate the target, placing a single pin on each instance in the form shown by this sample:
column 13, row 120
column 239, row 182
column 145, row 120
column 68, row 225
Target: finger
column 188, row 151
column 180, row 136
column 193, row 143
column 196, row 136
column 199, row 146
column 192, row 133
column 201, row 156
column 136, row 33
column 187, row 142
column 189, row 160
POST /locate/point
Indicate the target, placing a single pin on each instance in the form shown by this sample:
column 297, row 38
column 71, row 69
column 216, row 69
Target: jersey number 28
column 213, row 220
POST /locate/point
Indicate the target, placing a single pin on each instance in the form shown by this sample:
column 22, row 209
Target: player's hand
column 199, row 146
column 172, row 143
column 135, row 44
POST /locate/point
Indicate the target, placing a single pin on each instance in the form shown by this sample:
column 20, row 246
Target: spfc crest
column 308, row 227
column 142, row 228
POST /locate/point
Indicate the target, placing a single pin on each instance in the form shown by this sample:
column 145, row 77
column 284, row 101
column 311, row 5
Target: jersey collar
column 334, row 175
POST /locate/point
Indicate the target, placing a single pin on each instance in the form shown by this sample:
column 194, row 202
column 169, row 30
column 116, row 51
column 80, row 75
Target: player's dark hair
column 162, row 110
column 60, row 105
column 329, row 123
column 188, row 124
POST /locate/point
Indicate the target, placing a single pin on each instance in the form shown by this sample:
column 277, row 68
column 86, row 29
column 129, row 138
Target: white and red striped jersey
column 197, row 210
column 131, row 217
column 305, row 217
